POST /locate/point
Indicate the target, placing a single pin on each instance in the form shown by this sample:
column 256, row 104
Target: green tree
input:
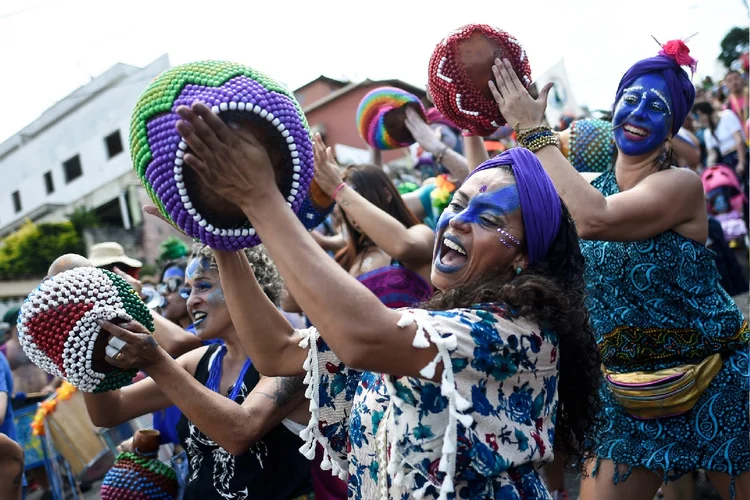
column 31, row 249
column 735, row 42
column 82, row 218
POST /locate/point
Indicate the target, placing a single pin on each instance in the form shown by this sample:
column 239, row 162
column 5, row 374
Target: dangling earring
column 518, row 271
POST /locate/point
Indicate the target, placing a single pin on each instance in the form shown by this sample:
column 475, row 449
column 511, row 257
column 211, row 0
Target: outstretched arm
column 658, row 203
column 425, row 136
column 266, row 335
column 356, row 325
column 476, row 151
column 412, row 245
column 232, row 426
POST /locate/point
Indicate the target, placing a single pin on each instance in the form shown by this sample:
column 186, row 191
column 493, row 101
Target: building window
column 114, row 144
column 72, row 169
column 17, row 201
column 49, row 184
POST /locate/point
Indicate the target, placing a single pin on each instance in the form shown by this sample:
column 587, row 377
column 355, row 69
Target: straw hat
column 104, row 254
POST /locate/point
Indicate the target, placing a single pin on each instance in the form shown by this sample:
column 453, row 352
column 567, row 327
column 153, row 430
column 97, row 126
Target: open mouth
column 199, row 317
column 637, row 132
column 451, row 255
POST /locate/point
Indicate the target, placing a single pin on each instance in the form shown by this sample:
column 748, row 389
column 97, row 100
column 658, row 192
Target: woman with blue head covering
column 674, row 345
column 458, row 397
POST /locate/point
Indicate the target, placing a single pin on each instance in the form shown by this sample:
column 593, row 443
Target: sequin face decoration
column 59, row 331
column 135, row 477
column 461, row 68
column 643, row 118
column 381, row 114
column 486, row 209
column 235, row 93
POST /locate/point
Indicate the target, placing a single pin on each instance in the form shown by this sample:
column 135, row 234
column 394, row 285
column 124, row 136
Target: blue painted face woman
column 481, row 231
column 643, row 116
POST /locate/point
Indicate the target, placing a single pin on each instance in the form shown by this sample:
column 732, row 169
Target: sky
column 49, row 48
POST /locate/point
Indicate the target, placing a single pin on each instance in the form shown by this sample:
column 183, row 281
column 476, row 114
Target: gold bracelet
column 526, row 131
column 540, row 142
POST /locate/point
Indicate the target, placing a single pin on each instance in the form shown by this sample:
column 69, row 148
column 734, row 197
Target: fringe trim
column 311, row 434
column 457, row 405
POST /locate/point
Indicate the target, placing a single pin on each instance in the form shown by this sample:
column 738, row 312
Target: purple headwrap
column 673, row 55
column 540, row 203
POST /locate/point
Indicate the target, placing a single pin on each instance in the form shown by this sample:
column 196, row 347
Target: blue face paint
column 484, row 209
column 174, row 272
column 643, row 117
column 198, row 264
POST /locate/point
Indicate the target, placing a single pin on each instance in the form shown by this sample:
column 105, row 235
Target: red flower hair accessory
column 680, row 53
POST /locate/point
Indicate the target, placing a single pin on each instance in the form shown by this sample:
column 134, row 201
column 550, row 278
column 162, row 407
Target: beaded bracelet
column 338, row 188
column 538, row 139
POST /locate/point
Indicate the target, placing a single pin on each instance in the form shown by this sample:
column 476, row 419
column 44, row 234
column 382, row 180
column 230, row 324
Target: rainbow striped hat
column 380, row 117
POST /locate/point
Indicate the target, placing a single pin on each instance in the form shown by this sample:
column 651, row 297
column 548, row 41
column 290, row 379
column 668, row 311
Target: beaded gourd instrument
column 135, row 477
column 381, row 114
column 591, row 145
column 459, row 72
column 235, row 93
column 59, row 331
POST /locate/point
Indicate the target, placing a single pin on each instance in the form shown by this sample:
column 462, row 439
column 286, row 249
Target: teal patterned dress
column 481, row 432
column 657, row 303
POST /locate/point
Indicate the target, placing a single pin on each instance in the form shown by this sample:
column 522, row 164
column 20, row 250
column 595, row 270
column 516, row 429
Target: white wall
column 81, row 131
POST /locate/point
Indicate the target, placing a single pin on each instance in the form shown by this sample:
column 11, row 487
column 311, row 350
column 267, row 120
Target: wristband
column 336, row 191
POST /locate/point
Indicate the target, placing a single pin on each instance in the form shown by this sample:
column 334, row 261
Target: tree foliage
column 733, row 45
column 83, row 218
column 30, row 250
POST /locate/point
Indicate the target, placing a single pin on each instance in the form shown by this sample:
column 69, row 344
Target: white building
column 76, row 154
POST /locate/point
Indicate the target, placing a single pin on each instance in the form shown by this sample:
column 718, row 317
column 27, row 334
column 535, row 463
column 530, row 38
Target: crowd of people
column 471, row 330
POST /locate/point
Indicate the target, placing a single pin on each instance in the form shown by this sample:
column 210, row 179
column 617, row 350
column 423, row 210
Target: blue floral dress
column 480, row 433
column 656, row 304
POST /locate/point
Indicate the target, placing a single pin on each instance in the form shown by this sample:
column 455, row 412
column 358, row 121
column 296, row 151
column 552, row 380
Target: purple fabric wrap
column 681, row 89
column 540, row 203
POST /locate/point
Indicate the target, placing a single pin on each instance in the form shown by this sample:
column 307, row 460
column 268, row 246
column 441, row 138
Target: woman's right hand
column 326, row 169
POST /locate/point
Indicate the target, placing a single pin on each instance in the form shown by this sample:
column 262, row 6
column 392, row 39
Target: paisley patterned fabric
column 480, row 433
column 655, row 304
column 396, row 286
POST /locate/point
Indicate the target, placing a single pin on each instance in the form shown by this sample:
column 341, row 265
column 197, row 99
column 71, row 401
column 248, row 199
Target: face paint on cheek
column 216, row 297
column 645, row 109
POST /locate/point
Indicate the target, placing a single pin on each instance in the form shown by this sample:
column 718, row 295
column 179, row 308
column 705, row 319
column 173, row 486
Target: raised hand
column 428, row 138
column 131, row 346
column 229, row 159
column 519, row 109
column 327, row 173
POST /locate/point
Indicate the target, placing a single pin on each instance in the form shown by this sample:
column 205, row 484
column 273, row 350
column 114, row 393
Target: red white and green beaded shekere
column 59, row 331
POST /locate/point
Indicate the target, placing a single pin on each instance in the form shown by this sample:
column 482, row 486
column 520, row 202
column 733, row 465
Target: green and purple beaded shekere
column 59, row 331
column 237, row 94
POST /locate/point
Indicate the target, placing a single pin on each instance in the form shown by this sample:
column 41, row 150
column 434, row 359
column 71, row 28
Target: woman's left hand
column 231, row 161
column 326, row 169
column 519, row 109
column 138, row 348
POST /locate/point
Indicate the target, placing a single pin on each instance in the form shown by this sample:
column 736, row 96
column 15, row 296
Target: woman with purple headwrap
column 674, row 345
column 456, row 398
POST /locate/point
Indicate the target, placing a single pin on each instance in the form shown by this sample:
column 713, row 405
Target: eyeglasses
column 171, row 285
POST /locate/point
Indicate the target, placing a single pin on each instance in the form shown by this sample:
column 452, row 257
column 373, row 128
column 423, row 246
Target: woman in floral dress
column 459, row 398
